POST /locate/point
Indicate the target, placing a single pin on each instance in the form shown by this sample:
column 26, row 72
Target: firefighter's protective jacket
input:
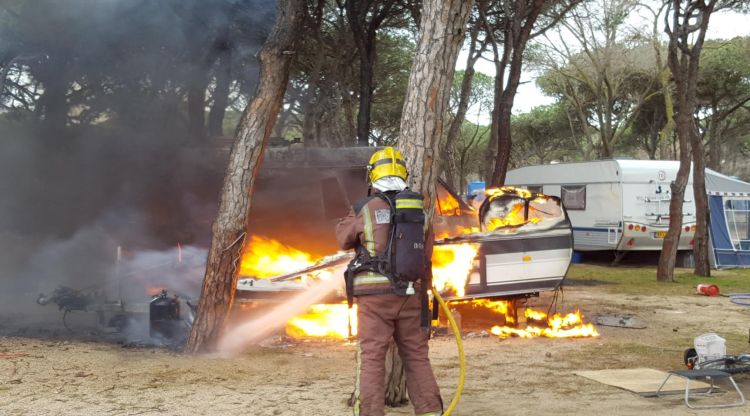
column 367, row 227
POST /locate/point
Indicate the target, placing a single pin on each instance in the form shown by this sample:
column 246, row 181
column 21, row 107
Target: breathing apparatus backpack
column 404, row 261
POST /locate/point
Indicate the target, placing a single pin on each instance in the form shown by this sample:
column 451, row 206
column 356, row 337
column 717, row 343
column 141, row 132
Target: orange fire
column 324, row 321
column 265, row 257
column 452, row 265
column 447, row 204
column 516, row 217
column 538, row 324
column 558, row 326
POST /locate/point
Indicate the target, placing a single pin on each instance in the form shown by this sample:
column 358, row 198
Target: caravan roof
column 618, row 170
column 598, row 171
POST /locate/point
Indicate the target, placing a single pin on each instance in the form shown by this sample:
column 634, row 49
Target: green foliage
column 395, row 54
column 544, row 134
column 724, row 70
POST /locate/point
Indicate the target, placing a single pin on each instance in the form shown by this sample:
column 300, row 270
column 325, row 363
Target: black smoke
column 99, row 147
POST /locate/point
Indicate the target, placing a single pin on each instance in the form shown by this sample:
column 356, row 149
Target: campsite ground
column 505, row 377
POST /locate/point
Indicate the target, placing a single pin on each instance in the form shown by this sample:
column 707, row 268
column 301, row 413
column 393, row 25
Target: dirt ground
column 505, row 377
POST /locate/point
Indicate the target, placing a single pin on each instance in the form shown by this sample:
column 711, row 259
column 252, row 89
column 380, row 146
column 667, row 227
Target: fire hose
column 461, row 358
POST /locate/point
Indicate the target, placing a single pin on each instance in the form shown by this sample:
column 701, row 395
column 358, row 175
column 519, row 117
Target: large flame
column 452, row 265
column 557, row 326
column 324, row 321
column 514, row 218
column 516, row 215
column 265, row 257
column 447, row 204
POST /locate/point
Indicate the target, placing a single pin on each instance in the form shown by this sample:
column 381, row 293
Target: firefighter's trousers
column 380, row 319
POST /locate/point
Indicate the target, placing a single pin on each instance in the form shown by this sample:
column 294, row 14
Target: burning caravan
column 524, row 246
column 620, row 205
column 517, row 244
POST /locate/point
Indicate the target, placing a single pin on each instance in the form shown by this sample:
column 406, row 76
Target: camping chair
column 705, row 374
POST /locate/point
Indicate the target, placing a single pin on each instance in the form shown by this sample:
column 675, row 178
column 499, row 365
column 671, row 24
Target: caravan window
column 574, row 197
column 737, row 213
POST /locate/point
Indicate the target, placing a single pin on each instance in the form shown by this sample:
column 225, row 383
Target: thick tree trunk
column 684, row 61
column 53, row 104
column 668, row 256
column 230, row 226
column 504, row 142
column 441, row 34
column 700, row 249
column 221, row 94
column 464, row 96
column 517, row 33
column 365, row 17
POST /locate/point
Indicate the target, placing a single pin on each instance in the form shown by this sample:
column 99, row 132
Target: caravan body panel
column 618, row 205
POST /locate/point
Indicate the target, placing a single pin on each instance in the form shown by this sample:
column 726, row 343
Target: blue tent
column 729, row 213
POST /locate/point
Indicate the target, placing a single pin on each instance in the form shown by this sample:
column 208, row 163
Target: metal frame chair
column 705, row 374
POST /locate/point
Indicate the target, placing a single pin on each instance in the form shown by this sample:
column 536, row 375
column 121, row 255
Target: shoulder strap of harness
column 357, row 206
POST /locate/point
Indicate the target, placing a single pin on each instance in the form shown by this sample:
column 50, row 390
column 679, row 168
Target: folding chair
column 708, row 375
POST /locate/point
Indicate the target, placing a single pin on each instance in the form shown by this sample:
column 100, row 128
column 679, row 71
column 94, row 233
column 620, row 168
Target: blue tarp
column 725, row 253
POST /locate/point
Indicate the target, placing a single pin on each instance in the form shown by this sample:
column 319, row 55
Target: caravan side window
column 573, row 197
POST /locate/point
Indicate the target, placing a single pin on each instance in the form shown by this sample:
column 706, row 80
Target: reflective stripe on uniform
column 357, row 403
column 370, row 279
column 409, row 203
column 389, row 160
column 369, row 239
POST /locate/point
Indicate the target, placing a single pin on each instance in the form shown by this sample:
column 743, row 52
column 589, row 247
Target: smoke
column 255, row 330
column 101, row 152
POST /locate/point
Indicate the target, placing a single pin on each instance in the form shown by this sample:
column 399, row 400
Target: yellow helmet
column 386, row 162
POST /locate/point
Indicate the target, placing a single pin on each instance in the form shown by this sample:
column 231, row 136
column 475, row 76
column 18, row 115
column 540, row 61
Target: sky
column 723, row 25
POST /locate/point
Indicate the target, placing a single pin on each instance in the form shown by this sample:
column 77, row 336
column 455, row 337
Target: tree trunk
column 196, row 100
column 366, row 68
column 684, row 61
column 230, row 226
column 365, row 17
column 53, row 103
column 700, row 247
column 668, row 256
column 441, row 33
column 454, row 131
column 504, row 142
column 517, row 31
column 221, row 94
column 395, row 378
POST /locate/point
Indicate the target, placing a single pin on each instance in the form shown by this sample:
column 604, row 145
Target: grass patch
column 642, row 280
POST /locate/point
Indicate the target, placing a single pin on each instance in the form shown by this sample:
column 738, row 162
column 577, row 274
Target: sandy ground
column 505, row 377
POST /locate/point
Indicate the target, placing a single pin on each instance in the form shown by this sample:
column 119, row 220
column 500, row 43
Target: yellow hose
column 461, row 359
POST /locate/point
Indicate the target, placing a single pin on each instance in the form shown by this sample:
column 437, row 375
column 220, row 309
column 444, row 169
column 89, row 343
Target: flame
column 570, row 325
column 514, row 218
column 266, row 257
column 558, row 326
column 451, row 266
column 500, row 307
column 324, row 321
column 448, row 205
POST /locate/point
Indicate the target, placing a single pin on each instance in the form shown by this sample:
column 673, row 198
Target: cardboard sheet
column 644, row 381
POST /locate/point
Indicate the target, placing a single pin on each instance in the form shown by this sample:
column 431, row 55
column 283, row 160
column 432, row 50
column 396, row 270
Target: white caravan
column 620, row 205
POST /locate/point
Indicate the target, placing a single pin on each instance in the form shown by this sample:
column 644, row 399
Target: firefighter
column 389, row 287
